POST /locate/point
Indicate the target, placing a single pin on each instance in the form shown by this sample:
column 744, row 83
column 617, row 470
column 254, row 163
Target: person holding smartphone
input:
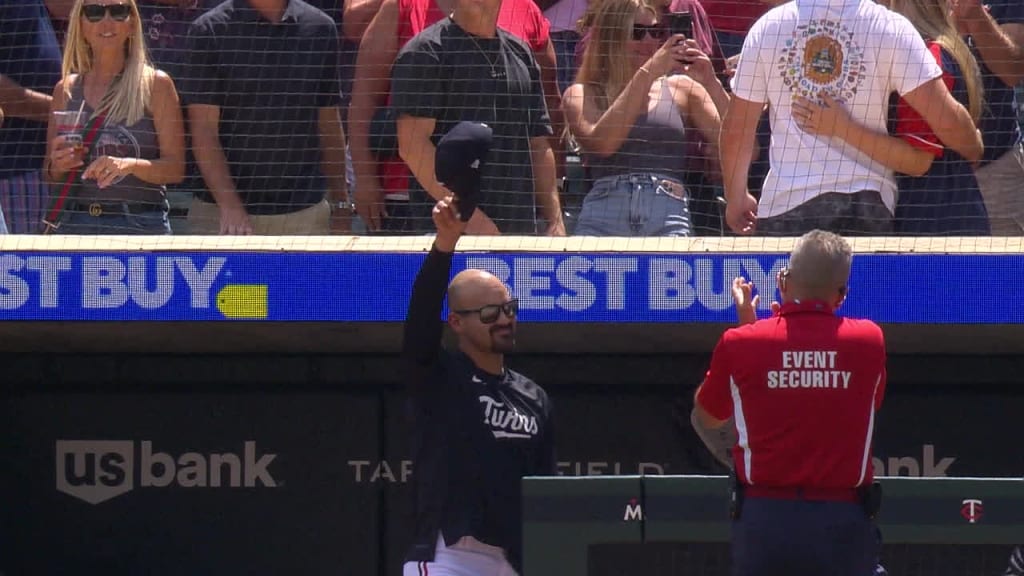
column 630, row 111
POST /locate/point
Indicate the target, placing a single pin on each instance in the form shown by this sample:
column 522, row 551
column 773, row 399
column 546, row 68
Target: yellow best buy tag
column 243, row 301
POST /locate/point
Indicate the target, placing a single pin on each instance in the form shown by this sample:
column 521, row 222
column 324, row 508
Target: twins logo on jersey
column 505, row 421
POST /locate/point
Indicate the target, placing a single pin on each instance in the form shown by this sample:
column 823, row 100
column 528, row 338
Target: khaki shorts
column 1002, row 187
column 204, row 219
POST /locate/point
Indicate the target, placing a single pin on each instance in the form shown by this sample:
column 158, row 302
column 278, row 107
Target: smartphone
column 681, row 23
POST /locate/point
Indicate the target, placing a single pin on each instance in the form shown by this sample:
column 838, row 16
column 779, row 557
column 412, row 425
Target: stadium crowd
column 610, row 117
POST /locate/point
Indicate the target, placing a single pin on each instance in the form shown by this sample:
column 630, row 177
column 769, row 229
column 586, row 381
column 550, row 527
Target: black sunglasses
column 95, row 12
column 656, row 31
column 489, row 314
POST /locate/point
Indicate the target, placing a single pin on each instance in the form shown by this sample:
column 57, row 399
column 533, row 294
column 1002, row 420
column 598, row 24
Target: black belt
column 794, row 493
column 97, row 209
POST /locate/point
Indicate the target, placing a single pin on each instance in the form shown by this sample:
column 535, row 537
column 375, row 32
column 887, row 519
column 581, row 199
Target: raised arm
column 700, row 110
column 421, row 338
column 833, row 120
column 602, row 132
column 1001, row 47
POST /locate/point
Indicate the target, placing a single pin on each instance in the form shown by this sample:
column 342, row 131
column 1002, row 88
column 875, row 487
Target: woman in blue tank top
column 138, row 143
column 629, row 111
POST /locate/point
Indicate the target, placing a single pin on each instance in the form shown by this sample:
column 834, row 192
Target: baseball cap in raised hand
column 459, row 161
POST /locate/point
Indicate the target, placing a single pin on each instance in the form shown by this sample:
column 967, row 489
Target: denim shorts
column 642, row 204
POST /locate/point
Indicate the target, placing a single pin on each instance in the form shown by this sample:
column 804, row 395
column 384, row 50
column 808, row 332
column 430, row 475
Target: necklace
column 495, row 73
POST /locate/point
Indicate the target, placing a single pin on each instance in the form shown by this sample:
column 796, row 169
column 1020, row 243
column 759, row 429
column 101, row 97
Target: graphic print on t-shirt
column 822, row 56
column 116, row 142
column 505, row 421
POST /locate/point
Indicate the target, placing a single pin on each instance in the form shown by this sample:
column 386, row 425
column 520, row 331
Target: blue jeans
column 122, row 222
column 634, row 205
column 565, row 55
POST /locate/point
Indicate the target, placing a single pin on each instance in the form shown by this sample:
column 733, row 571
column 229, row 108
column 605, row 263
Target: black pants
column 803, row 538
column 859, row 214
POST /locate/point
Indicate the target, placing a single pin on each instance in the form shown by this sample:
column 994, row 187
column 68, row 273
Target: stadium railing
column 660, row 525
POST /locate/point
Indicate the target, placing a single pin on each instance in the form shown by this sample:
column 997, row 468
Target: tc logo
column 95, row 471
column 972, row 510
column 634, row 512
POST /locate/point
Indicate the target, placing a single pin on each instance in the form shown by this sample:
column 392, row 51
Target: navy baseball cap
column 459, row 161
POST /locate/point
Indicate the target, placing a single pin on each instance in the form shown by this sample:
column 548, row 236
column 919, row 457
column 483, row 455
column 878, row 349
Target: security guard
column 801, row 390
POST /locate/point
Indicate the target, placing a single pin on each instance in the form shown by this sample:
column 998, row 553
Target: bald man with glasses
column 478, row 427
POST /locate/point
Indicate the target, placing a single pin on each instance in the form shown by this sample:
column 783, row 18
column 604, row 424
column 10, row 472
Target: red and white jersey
column 803, row 388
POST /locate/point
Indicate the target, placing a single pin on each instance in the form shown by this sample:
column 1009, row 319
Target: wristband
column 343, row 205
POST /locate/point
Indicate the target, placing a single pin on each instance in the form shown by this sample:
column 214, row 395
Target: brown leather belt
column 669, row 186
column 97, row 209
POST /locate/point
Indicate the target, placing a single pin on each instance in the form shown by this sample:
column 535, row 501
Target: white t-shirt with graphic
column 855, row 50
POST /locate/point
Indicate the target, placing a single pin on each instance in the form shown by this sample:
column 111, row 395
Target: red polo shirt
column 735, row 16
column 803, row 387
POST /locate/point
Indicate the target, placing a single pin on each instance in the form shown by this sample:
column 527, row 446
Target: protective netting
column 601, row 125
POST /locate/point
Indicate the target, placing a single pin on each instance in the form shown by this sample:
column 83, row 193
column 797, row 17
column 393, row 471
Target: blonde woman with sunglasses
column 629, row 110
column 138, row 144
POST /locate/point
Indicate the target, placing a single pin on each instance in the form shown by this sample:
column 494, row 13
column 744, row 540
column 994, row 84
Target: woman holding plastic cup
column 116, row 133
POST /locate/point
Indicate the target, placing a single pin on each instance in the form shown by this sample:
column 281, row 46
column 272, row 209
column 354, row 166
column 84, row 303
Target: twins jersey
column 475, row 434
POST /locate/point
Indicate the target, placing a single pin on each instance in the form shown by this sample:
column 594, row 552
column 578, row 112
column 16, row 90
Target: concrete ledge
column 949, row 245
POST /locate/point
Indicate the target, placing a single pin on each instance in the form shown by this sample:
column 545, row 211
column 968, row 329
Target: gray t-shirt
column 120, row 141
column 656, row 144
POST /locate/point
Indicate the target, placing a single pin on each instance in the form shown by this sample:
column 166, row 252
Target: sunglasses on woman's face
column 656, row 31
column 95, row 12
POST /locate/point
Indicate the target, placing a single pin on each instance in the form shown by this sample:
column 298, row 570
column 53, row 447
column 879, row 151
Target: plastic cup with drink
column 69, row 125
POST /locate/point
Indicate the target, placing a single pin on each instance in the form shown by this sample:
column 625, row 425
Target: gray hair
column 820, row 264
